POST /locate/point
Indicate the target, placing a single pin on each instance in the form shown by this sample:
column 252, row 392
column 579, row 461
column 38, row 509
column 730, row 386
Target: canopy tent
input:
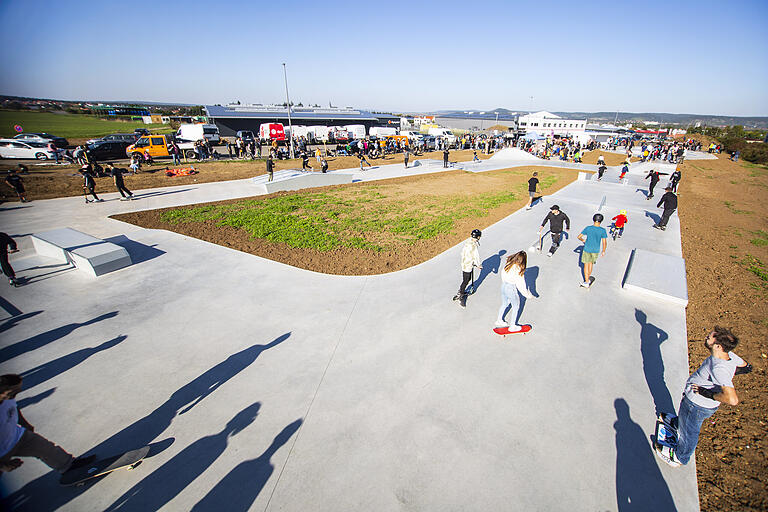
column 533, row 136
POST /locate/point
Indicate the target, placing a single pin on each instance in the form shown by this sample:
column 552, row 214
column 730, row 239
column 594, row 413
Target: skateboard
column 503, row 331
column 666, row 431
column 591, row 282
column 101, row 467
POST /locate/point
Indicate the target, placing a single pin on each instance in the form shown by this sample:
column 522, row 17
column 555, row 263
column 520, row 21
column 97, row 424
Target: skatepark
column 260, row 386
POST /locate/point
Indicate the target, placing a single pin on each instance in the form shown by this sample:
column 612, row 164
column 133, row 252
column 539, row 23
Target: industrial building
column 232, row 118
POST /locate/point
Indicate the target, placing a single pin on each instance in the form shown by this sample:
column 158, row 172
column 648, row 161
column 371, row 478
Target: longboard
column 102, row 467
column 503, row 331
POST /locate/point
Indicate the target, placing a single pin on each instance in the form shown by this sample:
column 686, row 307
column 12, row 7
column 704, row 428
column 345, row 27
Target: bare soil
column 717, row 237
column 407, row 191
column 50, row 181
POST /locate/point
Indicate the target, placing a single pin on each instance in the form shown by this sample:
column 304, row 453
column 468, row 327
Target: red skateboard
column 503, row 331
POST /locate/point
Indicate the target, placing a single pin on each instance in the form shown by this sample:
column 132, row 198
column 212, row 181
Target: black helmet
column 476, row 233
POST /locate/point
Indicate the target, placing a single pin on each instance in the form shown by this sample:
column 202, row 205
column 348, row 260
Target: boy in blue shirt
column 595, row 238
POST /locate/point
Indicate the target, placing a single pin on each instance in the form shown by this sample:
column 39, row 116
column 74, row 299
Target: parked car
column 12, row 148
column 246, row 135
column 140, row 132
column 128, row 138
column 60, row 142
column 107, row 149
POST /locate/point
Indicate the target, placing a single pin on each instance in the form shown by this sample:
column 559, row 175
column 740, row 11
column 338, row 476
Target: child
column 617, row 229
column 135, row 163
column 474, row 156
column 15, row 182
column 512, row 283
column 624, row 171
column 470, row 258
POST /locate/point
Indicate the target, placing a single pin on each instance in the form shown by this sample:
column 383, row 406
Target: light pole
column 288, row 104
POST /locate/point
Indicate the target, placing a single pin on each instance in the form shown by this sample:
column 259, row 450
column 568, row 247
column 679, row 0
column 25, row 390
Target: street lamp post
column 288, row 104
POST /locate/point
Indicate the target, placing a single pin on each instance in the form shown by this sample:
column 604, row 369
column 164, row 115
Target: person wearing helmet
column 595, row 238
column 470, row 258
column 618, row 224
column 655, row 177
column 556, row 219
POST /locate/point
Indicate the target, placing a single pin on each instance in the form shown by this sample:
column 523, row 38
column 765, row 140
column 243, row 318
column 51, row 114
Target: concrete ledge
column 88, row 253
column 658, row 275
column 308, row 180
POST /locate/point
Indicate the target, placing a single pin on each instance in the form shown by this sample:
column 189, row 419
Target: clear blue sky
column 673, row 56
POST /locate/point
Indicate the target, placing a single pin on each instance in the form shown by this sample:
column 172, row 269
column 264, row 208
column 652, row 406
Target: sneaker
column 82, row 461
column 456, row 297
column 657, row 226
column 528, row 207
column 502, row 324
column 549, row 255
column 667, row 454
column 584, row 284
column 125, row 198
column 99, row 200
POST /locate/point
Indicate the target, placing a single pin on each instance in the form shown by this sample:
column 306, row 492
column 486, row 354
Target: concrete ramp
column 513, row 155
column 302, row 180
column 658, row 275
column 93, row 255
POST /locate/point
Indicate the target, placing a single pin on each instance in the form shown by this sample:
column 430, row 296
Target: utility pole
column 288, row 104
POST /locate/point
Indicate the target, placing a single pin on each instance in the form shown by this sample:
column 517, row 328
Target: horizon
column 405, row 58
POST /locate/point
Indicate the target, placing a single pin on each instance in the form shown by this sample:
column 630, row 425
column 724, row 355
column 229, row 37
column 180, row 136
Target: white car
column 10, row 148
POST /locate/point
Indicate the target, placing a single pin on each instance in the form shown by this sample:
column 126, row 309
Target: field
column 363, row 228
column 75, row 128
column 724, row 222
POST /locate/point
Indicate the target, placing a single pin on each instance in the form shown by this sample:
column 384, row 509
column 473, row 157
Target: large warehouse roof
column 273, row 111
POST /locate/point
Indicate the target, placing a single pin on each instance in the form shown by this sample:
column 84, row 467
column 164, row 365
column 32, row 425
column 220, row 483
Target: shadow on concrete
column 9, row 308
column 651, row 338
column 644, row 191
column 579, row 250
column 150, row 194
column 240, row 487
column 530, row 276
column 13, row 321
column 43, row 339
column 655, row 218
column 167, row 481
column 138, row 252
column 47, row 371
column 25, row 402
column 45, row 493
column 13, row 208
column 491, row 265
column 640, row 485
column 61, row 267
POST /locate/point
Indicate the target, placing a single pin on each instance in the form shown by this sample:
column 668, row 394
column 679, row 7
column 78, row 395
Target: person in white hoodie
column 470, row 258
column 512, row 282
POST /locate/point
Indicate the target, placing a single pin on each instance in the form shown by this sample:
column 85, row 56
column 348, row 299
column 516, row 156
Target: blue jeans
column 509, row 297
column 689, row 421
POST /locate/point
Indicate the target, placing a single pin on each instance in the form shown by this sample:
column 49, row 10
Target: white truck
column 357, row 131
column 199, row 132
column 381, row 131
column 299, row 131
column 320, row 133
column 444, row 133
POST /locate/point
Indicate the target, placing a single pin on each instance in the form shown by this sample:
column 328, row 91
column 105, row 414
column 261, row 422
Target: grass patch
column 360, row 218
column 761, row 240
column 730, row 205
column 69, row 125
column 757, row 267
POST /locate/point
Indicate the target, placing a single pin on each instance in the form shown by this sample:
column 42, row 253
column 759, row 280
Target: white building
column 547, row 123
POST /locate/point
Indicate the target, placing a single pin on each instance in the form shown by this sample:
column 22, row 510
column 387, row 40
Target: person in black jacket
column 270, row 167
column 669, row 200
column 556, row 219
column 445, row 157
column 6, row 243
column 16, row 183
column 117, row 175
column 654, row 175
column 89, row 184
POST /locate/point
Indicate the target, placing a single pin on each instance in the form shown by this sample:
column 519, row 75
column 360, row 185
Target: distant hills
column 622, row 117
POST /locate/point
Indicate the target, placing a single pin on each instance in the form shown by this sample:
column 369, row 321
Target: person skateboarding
column 470, row 258
column 600, row 172
column 17, row 184
column 595, row 241
column 305, row 162
column 89, row 184
column 8, row 246
column 707, row 388
column 674, row 179
column 669, row 200
column 619, row 222
column 19, row 439
column 624, row 171
column 117, row 175
column 556, row 218
column 601, row 160
column 532, row 184
column 323, row 165
column 513, row 283
column 655, row 177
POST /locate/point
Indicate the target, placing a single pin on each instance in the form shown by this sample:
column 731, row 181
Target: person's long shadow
column 26, row 402
column 44, row 493
column 654, row 217
column 15, row 320
column 42, row 339
column 644, row 191
column 651, row 338
column 51, row 369
column 240, row 487
column 640, row 485
column 491, row 265
column 530, row 276
column 167, row 481
column 580, row 250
